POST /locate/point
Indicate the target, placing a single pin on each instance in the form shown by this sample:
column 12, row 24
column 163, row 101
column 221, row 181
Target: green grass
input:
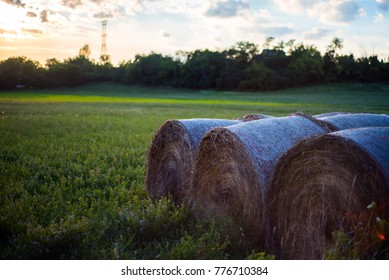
column 72, row 167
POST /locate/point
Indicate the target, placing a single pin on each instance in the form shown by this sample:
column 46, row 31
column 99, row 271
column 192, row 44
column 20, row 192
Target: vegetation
column 72, row 167
column 242, row 67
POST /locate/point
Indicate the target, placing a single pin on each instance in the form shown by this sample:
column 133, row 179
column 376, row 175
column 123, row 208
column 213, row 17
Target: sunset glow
column 59, row 28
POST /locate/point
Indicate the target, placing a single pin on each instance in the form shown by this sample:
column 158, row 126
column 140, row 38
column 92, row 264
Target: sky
column 41, row 30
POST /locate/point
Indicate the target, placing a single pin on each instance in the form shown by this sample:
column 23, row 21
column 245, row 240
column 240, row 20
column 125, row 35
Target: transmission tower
column 104, row 38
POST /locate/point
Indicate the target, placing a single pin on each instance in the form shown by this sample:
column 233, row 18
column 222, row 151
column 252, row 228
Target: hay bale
column 172, row 153
column 329, row 114
column 347, row 121
column 324, row 184
column 326, row 125
column 234, row 166
column 253, row 117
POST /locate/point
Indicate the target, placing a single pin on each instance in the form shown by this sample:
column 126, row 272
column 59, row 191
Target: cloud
column 31, row 14
column 316, row 33
column 97, row 1
column 277, row 30
column 34, row 31
column 296, row 6
column 72, row 3
column 336, row 11
column 343, row 11
column 105, row 15
column 17, row 3
column 383, row 5
column 227, row 8
column 3, row 31
column 164, row 34
column 44, row 15
column 378, row 17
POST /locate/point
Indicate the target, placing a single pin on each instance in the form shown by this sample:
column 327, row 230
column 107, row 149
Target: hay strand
column 323, row 185
column 326, row 125
column 172, row 153
column 253, row 117
column 234, row 166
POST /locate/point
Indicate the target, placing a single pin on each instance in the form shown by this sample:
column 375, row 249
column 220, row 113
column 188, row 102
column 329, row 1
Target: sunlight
column 11, row 19
column 15, row 24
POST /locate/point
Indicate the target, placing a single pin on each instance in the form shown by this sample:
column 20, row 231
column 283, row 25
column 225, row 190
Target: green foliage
column 71, row 185
column 241, row 67
column 205, row 243
column 202, row 69
column 261, row 256
column 306, row 65
column 72, row 168
column 368, row 240
column 153, row 70
column 20, row 71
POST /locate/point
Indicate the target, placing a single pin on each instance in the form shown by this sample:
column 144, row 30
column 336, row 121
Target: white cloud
column 342, row 11
column 296, row 6
column 227, row 8
column 17, row 3
column 106, row 11
column 329, row 11
column 72, row 3
column 164, row 34
column 378, row 17
column 277, row 31
column 383, row 5
column 186, row 7
column 316, row 33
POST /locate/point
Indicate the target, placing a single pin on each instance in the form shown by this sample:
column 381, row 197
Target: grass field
column 72, row 167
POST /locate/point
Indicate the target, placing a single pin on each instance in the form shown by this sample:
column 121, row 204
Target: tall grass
column 72, row 187
column 72, row 171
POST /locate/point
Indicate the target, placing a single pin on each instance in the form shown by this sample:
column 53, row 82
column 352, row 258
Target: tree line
column 244, row 66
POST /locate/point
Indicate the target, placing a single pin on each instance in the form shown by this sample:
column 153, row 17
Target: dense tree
column 202, row 69
column 20, row 71
column 153, row 70
column 347, row 68
column 258, row 77
column 331, row 65
column 306, row 65
column 62, row 74
column 243, row 66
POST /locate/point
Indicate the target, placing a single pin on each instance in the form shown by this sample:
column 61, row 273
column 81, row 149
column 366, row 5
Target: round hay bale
column 323, row 185
column 234, row 166
column 347, row 121
column 171, row 155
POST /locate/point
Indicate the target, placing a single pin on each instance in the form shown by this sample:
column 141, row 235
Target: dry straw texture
column 172, row 153
column 323, row 185
column 346, row 121
column 253, row 117
column 234, row 166
column 326, row 125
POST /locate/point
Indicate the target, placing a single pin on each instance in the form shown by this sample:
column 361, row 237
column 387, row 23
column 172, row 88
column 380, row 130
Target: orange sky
column 59, row 28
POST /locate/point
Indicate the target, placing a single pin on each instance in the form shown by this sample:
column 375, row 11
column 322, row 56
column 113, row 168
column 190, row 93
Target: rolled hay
column 323, row 185
column 171, row 155
column 347, row 120
column 329, row 114
column 326, row 125
column 253, row 117
column 234, row 166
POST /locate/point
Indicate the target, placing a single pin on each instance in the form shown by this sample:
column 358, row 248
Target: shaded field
column 72, row 167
